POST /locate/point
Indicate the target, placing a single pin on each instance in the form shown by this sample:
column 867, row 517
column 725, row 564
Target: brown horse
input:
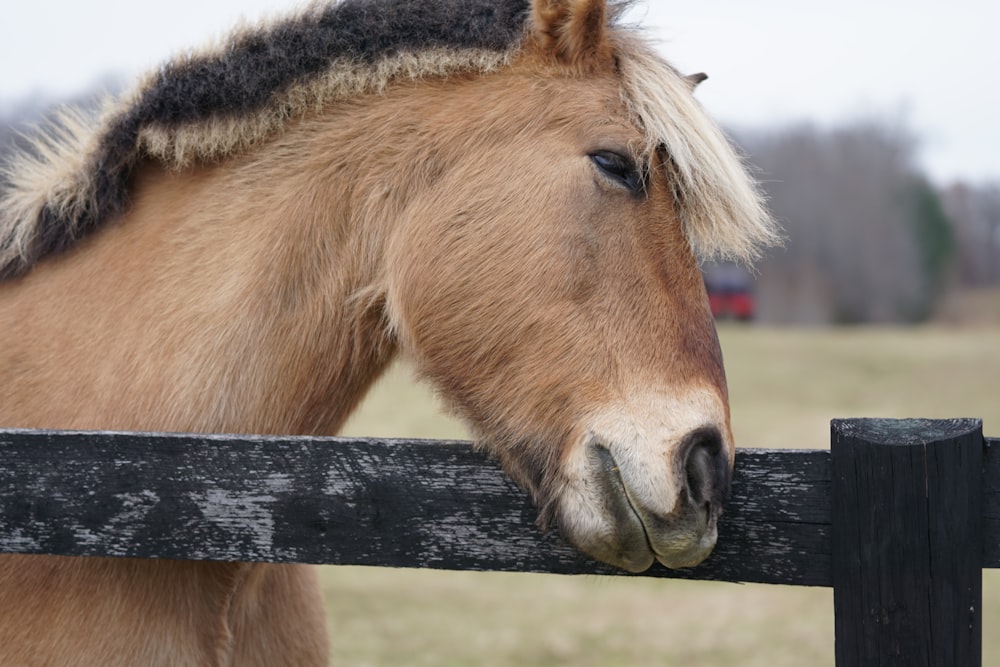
column 513, row 194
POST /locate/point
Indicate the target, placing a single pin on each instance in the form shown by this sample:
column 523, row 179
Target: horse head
column 546, row 283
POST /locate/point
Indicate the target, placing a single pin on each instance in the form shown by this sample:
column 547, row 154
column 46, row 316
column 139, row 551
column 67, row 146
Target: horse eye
column 619, row 168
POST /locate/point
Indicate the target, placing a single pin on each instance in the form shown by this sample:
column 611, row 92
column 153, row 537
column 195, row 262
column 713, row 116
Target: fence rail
column 408, row 503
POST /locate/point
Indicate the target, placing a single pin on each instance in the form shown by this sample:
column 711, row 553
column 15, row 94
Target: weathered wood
column 991, row 503
column 907, row 542
column 378, row 502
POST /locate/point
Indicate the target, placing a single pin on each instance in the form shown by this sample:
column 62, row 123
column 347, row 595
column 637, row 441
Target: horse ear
column 694, row 79
column 574, row 31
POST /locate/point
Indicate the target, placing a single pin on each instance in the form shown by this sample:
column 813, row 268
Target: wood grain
column 907, row 540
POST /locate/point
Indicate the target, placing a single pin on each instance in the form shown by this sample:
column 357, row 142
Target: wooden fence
column 899, row 516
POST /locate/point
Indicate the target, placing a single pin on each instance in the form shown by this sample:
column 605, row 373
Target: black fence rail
column 899, row 516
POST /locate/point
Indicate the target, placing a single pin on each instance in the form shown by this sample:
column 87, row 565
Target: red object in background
column 731, row 305
column 729, row 292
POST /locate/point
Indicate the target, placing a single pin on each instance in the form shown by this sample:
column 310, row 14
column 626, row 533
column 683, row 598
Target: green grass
column 785, row 386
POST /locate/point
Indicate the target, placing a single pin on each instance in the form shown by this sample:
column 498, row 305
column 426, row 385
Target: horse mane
column 221, row 101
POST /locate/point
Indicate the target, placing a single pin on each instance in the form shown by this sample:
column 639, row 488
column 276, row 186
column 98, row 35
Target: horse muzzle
column 631, row 510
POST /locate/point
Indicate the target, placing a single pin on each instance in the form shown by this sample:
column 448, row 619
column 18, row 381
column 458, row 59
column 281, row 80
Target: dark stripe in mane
column 250, row 71
column 257, row 65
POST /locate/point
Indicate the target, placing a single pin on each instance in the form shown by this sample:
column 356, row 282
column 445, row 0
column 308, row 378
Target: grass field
column 785, row 386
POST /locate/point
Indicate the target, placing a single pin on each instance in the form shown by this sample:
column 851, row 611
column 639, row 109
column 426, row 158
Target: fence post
column 907, row 541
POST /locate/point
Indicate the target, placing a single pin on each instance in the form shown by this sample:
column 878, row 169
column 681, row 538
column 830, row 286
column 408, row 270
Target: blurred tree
column 975, row 211
column 935, row 240
column 867, row 238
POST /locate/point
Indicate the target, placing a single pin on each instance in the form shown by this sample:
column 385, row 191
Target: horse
column 515, row 195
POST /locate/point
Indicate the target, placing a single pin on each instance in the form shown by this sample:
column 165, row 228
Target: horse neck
column 239, row 297
column 309, row 215
column 298, row 231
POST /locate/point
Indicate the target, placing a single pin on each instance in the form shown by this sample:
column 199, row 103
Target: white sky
column 933, row 65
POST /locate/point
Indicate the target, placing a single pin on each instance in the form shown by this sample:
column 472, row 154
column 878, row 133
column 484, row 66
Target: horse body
column 523, row 233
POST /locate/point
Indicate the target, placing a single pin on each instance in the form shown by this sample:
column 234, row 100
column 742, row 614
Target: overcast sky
column 934, row 66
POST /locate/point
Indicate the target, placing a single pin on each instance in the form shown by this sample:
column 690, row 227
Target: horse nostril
column 706, row 469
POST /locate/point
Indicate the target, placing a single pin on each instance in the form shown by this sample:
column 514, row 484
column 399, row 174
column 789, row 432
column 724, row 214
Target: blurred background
column 872, row 128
